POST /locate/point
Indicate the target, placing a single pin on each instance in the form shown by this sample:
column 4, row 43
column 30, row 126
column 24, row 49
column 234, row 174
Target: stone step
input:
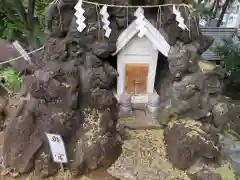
column 141, row 121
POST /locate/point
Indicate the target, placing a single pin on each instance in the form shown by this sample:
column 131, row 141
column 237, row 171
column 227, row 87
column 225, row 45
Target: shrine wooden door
column 136, row 78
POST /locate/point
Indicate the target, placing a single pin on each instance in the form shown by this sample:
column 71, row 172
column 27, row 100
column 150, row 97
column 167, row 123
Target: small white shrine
column 137, row 60
column 137, row 51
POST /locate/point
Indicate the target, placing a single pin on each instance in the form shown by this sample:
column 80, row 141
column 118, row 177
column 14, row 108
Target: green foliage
column 204, row 13
column 12, row 79
column 8, row 29
column 40, row 7
column 229, row 51
column 16, row 23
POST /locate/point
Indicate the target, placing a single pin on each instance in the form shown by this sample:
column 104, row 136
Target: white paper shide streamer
column 139, row 14
column 23, row 53
column 105, row 21
column 80, row 17
column 179, row 19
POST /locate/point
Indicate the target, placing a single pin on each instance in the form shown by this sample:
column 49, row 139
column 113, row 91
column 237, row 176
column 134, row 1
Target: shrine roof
column 152, row 34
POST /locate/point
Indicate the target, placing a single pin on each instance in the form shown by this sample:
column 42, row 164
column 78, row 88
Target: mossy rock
column 167, row 115
column 187, row 141
column 10, row 80
column 226, row 172
column 206, row 66
column 125, row 120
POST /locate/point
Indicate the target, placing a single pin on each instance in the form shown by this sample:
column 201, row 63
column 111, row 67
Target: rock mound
column 188, row 140
column 70, row 92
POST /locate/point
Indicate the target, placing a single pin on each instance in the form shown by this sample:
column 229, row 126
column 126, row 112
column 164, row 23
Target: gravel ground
column 144, row 157
column 65, row 175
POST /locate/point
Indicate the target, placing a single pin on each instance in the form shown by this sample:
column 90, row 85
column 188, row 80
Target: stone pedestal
column 152, row 107
column 125, row 109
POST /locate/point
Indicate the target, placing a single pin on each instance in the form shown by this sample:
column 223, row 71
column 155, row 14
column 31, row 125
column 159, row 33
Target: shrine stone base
column 139, row 112
column 140, row 120
column 136, row 99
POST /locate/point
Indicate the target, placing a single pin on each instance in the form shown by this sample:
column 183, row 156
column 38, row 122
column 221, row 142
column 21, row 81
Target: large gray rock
column 187, row 141
column 183, row 59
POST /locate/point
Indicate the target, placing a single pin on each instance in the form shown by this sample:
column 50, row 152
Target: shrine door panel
column 136, row 76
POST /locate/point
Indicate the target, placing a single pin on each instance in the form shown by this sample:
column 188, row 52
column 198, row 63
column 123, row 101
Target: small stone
column 44, row 76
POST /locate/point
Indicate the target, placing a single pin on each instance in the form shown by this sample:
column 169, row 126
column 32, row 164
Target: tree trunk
column 224, row 9
column 212, row 8
column 30, row 13
column 216, row 7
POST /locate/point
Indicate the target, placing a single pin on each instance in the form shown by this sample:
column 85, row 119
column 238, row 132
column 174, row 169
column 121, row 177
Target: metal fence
column 217, row 34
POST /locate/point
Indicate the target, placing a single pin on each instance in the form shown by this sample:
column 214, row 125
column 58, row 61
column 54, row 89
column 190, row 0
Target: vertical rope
column 99, row 22
column 127, row 21
column 127, row 16
column 158, row 17
column 60, row 18
column 197, row 27
column 189, row 21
